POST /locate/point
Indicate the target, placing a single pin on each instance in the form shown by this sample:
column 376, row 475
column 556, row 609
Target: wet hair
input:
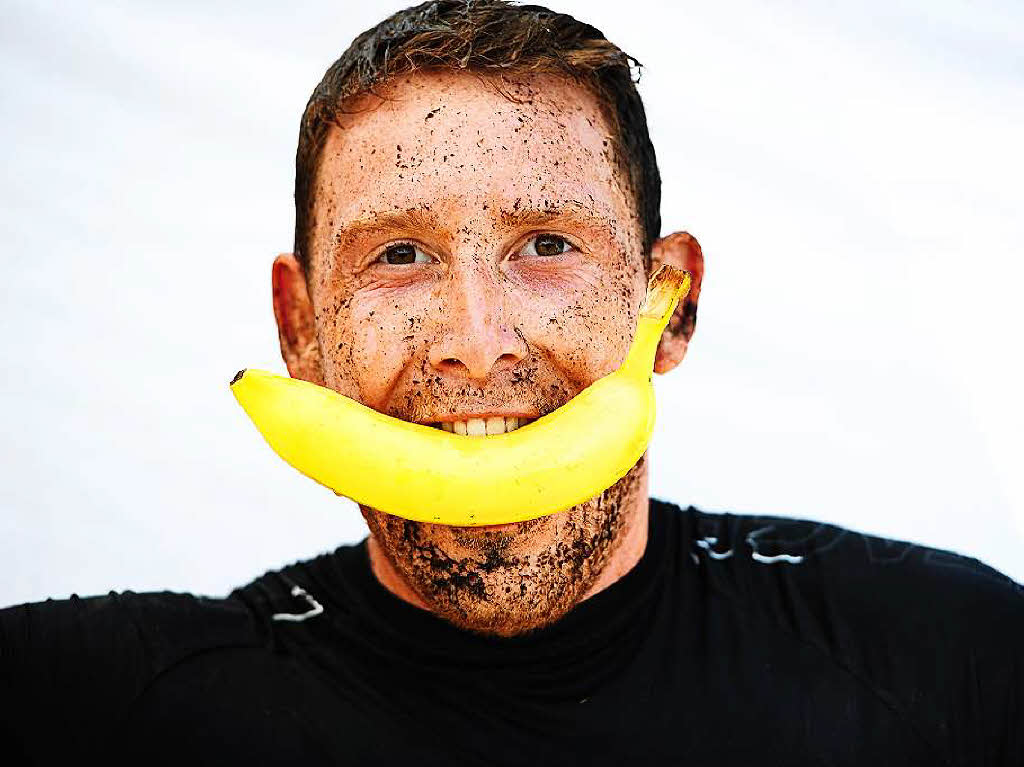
column 485, row 36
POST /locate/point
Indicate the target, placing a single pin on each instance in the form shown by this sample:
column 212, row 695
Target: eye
column 546, row 245
column 403, row 253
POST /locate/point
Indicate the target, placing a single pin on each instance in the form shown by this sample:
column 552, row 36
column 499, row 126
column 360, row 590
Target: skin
column 486, row 320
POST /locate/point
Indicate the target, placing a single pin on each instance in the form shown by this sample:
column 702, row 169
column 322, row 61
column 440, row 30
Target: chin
column 501, row 582
column 506, row 579
column 506, row 623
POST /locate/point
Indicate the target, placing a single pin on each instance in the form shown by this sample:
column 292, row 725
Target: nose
column 476, row 340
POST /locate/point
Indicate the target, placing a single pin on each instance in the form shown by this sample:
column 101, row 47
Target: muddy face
column 472, row 255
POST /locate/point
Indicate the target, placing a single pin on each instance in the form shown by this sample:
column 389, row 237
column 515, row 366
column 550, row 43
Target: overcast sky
column 853, row 176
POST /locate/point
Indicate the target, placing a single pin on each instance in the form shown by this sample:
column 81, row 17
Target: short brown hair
column 484, row 36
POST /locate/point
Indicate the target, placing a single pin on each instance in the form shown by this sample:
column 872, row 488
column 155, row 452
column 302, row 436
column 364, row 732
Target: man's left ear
column 682, row 250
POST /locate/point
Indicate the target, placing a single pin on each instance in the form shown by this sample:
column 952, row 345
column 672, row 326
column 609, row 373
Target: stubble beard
column 508, row 582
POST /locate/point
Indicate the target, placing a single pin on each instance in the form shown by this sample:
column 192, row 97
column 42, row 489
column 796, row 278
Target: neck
column 629, row 546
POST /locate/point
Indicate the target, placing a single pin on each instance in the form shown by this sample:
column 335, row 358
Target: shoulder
column 166, row 623
column 931, row 632
column 935, row 636
column 77, row 665
column 857, row 596
column 111, row 646
column 872, row 577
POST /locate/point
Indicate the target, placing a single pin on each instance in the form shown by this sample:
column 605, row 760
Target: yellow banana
column 425, row 474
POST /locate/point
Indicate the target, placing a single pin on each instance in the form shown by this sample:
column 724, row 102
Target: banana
column 425, row 474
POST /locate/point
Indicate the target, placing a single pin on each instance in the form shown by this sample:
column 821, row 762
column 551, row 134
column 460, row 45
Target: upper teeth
column 478, row 427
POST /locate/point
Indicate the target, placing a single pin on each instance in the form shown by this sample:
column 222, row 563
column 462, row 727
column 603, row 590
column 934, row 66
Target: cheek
column 584, row 320
column 373, row 338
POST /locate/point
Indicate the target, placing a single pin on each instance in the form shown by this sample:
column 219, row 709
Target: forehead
column 459, row 143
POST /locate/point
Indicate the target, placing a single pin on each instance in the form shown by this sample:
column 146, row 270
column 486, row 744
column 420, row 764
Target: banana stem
column 665, row 289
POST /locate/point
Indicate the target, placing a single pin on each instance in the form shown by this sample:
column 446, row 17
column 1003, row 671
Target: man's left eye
column 546, row 245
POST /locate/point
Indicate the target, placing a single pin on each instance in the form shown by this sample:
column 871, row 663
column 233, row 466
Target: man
column 477, row 213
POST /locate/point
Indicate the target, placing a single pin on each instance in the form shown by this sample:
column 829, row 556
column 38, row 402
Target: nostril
column 453, row 365
column 477, row 368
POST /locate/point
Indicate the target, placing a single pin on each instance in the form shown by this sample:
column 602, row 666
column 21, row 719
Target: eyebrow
column 414, row 218
column 512, row 216
column 563, row 211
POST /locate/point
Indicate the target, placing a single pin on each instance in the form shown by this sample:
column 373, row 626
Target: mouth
column 485, row 426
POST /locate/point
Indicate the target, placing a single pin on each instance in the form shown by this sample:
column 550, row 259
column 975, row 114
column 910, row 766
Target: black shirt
column 736, row 640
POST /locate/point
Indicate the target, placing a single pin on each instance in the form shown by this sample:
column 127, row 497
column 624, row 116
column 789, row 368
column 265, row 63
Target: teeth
column 478, row 427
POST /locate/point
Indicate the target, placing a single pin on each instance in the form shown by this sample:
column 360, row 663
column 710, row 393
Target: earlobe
column 296, row 326
column 679, row 249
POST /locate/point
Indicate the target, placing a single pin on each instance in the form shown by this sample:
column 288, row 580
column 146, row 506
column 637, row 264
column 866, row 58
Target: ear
column 682, row 250
column 296, row 327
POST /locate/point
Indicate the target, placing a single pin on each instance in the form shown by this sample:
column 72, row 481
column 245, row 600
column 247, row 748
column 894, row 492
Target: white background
column 854, row 177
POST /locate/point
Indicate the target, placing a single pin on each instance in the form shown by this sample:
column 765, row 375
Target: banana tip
column 238, row 376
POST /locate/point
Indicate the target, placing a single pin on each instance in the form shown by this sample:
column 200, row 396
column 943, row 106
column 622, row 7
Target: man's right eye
column 403, row 253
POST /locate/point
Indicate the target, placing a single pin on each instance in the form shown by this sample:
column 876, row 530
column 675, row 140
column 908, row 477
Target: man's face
column 472, row 257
